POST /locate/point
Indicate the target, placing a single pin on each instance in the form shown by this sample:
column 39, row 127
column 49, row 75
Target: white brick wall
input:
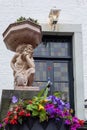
column 72, row 11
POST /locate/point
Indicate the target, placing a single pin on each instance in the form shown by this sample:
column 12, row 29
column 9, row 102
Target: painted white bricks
column 72, row 12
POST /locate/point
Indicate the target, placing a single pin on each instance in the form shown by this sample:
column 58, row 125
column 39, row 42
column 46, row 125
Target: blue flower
column 14, row 99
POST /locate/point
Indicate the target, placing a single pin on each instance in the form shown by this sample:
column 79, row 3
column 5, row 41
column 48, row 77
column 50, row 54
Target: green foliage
column 46, row 92
column 41, row 93
column 20, row 120
column 32, row 107
column 58, row 94
column 41, row 107
column 20, row 19
column 35, row 113
column 33, row 20
column 42, row 115
column 37, row 105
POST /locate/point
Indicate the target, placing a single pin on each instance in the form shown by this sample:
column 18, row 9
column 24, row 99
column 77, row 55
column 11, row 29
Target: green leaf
column 21, row 19
column 42, row 115
column 35, row 113
column 29, row 107
column 46, row 92
column 41, row 93
column 57, row 94
column 20, row 120
column 70, row 117
column 34, row 106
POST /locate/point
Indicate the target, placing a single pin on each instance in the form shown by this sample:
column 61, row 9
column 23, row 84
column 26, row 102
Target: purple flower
column 60, row 102
column 66, row 113
column 61, row 107
column 59, row 113
column 0, row 125
column 75, row 120
column 67, row 105
column 75, row 126
column 67, row 122
column 57, row 119
column 53, row 99
column 50, row 108
column 14, row 99
column 49, row 98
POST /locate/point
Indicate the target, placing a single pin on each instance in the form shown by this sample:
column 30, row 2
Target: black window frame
column 50, row 37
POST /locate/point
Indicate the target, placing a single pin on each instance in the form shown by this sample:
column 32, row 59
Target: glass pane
column 59, row 49
column 61, row 71
column 62, row 87
column 40, row 74
column 41, row 50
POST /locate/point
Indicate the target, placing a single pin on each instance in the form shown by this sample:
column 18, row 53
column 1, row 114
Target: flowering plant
column 42, row 106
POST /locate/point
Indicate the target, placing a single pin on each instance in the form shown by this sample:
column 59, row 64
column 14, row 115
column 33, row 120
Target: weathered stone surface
column 23, row 65
column 30, row 88
column 22, row 32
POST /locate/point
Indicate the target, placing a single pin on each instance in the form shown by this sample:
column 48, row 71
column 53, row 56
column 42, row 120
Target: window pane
column 62, row 87
column 59, row 49
column 61, row 71
column 40, row 74
column 42, row 50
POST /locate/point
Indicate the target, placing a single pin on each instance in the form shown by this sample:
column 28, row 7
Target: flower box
column 34, row 124
column 42, row 112
column 26, row 32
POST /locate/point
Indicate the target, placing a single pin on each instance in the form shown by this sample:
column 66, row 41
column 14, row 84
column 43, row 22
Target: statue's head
column 25, row 48
column 28, row 49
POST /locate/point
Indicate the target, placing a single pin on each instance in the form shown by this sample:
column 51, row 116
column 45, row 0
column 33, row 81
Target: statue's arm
column 30, row 62
column 13, row 61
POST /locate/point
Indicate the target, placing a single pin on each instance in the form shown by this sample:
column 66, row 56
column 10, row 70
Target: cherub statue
column 23, row 65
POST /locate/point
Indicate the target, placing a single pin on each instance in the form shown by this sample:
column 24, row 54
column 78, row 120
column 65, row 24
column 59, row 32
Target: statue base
column 29, row 88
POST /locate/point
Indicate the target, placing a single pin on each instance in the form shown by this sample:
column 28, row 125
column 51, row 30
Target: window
column 53, row 59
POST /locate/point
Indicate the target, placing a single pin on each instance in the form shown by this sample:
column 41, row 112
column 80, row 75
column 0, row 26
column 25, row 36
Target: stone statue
column 23, row 65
